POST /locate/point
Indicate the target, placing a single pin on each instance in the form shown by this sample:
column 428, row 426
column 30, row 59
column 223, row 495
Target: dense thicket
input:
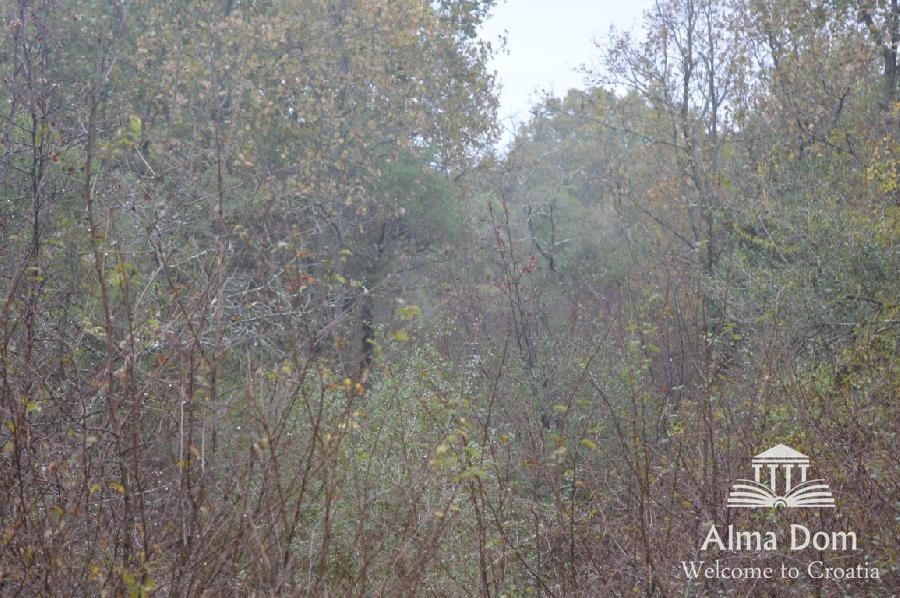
column 276, row 319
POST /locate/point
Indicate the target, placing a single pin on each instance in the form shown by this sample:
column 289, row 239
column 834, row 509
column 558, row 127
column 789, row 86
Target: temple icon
column 780, row 480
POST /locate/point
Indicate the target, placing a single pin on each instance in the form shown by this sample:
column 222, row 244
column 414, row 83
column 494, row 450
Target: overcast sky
column 547, row 40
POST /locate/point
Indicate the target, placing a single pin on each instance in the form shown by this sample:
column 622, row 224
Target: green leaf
column 409, row 312
column 134, row 126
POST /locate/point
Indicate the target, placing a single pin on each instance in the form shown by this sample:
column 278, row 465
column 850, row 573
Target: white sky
column 547, row 40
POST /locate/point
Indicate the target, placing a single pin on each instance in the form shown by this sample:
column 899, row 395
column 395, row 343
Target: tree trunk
column 889, row 92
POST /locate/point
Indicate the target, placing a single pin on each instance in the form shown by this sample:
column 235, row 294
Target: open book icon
column 780, row 466
column 753, row 494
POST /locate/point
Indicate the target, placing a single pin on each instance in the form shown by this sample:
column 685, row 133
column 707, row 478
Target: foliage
column 276, row 319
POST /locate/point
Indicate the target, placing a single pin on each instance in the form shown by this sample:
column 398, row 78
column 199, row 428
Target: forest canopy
column 280, row 315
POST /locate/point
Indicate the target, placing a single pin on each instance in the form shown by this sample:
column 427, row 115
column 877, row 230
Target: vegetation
column 277, row 317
